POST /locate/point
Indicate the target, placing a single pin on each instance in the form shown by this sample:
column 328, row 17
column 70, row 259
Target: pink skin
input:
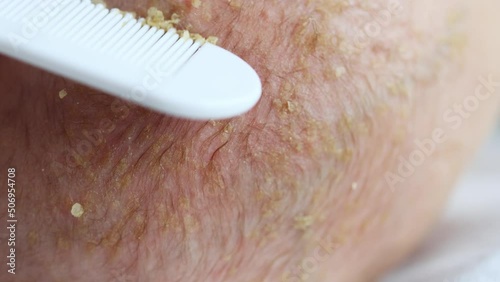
column 295, row 190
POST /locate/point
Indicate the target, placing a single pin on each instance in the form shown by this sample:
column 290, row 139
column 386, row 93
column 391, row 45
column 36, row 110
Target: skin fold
column 317, row 183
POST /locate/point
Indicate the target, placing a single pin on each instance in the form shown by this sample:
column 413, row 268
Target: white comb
column 120, row 55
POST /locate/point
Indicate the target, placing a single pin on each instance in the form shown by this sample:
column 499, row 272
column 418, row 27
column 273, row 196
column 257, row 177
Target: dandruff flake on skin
column 77, row 210
column 354, row 186
column 213, row 40
column 196, row 3
column 340, row 71
column 156, row 18
column 96, row 2
column 63, row 94
column 303, row 222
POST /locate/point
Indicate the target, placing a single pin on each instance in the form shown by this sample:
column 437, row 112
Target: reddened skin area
column 295, row 190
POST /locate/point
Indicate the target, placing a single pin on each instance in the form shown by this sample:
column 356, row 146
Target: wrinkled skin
column 305, row 187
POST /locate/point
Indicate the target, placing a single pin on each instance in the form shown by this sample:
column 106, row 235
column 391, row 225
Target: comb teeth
column 120, row 55
column 109, row 32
